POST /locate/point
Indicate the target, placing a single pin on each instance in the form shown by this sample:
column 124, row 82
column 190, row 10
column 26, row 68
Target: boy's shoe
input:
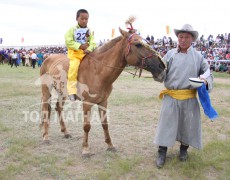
column 72, row 97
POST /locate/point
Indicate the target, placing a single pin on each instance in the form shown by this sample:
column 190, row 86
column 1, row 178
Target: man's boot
column 161, row 156
column 183, row 152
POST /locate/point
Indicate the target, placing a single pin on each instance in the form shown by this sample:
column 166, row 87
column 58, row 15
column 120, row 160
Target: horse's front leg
column 86, row 128
column 103, row 114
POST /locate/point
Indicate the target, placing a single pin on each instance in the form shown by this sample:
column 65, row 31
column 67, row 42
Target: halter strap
column 142, row 64
column 129, row 43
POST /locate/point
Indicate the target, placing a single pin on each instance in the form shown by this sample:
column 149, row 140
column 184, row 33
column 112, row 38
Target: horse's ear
column 123, row 33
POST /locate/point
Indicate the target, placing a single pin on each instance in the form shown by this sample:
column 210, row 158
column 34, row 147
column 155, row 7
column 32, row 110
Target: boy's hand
column 86, row 51
column 84, row 46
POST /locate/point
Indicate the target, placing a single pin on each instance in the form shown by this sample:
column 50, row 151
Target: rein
column 105, row 65
column 140, row 67
column 96, row 60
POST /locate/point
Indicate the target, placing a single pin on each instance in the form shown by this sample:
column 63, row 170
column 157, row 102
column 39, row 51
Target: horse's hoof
column 46, row 141
column 111, row 149
column 87, row 155
column 67, row 136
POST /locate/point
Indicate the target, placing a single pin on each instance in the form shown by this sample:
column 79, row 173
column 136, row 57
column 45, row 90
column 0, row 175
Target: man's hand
column 205, row 81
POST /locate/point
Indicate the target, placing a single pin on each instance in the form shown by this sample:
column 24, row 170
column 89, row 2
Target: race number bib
column 80, row 35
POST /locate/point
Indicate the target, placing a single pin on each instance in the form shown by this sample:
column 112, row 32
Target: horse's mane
column 112, row 42
column 150, row 48
column 108, row 44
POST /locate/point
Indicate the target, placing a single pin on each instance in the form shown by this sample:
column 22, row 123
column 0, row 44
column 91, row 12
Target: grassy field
column 133, row 115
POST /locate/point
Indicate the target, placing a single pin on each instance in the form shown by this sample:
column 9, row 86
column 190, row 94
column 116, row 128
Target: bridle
column 140, row 67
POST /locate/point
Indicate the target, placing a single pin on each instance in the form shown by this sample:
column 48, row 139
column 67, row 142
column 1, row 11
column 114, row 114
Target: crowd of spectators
column 215, row 50
column 32, row 56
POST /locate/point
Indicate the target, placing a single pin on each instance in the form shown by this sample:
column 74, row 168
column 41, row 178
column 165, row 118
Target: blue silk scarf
column 206, row 103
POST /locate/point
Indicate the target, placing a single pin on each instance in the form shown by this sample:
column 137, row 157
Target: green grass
column 113, row 169
column 124, row 99
column 223, row 111
column 3, row 128
column 17, row 73
column 134, row 107
column 220, row 85
column 221, row 75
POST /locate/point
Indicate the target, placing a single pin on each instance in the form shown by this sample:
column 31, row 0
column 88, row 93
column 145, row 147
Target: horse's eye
column 138, row 45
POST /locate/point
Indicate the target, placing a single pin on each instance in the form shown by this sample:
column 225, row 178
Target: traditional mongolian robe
column 180, row 120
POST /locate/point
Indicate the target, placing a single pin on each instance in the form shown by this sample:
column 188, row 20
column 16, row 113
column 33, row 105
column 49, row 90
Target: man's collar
column 179, row 50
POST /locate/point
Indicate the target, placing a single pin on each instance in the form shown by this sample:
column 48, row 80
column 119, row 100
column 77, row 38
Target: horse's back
column 54, row 63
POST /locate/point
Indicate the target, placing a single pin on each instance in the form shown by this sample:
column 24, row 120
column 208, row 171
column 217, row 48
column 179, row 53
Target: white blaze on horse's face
column 143, row 56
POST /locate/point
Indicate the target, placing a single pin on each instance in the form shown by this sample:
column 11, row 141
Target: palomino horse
column 97, row 71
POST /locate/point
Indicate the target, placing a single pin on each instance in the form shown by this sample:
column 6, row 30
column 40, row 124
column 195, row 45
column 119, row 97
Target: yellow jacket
column 72, row 40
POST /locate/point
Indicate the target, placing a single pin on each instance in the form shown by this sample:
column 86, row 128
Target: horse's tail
column 44, row 67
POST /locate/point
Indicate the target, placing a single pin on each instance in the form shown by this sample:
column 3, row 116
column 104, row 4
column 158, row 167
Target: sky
column 44, row 22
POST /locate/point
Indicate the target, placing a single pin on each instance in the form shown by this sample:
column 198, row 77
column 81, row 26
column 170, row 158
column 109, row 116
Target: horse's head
column 143, row 56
